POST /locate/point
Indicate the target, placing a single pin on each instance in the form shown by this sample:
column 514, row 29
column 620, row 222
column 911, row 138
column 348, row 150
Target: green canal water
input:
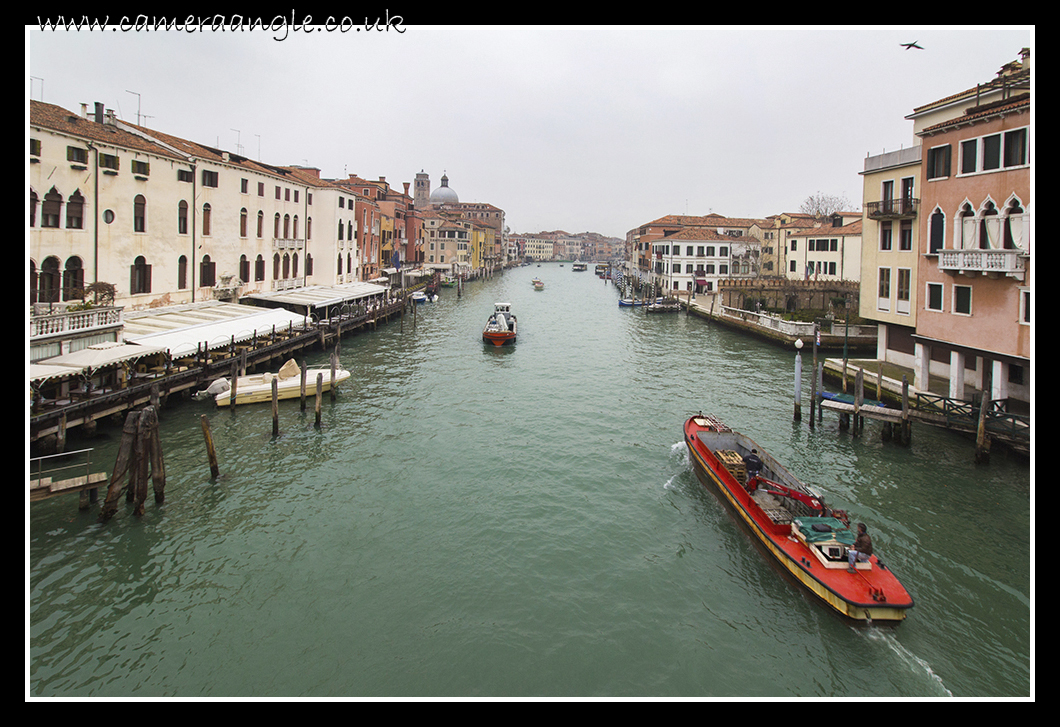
column 524, row 522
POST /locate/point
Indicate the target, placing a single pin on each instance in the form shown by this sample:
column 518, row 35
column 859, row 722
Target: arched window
column 244, row 268
column 338, row 265
column 1014, row 236
column 73, row 279
column 207, row 272
column 53, row 203
column 140, row 276
column 294, row 265
column 286, row 266
column 276, row 226
column 139, row 214
column 261, row 223
column 182, row 218
column 937, row 232
column 276, row 266
column 295, row 229
column 259, row 269
column 309, row 228
column 49, row 281
column 965, row 228
column 206, row 219
column 243, row 222
column 308, row 264
column 33, row 212
column 75, row 210
column 989, row 228
column 286, row 227
column 182, row 269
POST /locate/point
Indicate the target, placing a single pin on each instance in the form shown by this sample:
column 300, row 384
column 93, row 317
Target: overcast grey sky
column 575, row 128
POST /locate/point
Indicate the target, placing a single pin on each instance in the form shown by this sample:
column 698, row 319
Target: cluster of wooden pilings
column 139, row 459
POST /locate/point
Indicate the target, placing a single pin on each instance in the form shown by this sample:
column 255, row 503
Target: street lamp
column 798, row 379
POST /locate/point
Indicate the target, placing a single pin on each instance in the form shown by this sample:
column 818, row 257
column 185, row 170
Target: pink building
column 973, row 325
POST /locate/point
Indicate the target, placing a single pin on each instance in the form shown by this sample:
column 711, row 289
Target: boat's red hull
column 498, row 338
column 872, row 593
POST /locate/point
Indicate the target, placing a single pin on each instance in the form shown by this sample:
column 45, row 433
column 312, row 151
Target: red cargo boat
column 501, row 326
column 808, row 539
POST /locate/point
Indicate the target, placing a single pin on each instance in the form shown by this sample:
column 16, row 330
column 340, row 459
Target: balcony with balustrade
column 993, row 263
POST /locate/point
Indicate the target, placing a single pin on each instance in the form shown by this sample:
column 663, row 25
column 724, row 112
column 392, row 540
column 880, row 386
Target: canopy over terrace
column 183, row 329
column 316, row 300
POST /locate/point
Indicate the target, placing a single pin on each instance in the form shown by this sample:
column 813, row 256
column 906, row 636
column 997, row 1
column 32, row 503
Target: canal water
column 478, row 522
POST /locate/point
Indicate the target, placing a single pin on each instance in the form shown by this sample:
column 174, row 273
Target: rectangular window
column 938, row 162
column 962, row 299
column 905, row 278
column 969, row 156
column 76, row 155
column 261, row 189
column 108, row 161
column 992, row 152
column 905, row 235
column 1025, row 307
column 209, row 179
column 934, row 296
column 244, row 185
column 1016, row 148
column 141, row 168
column 883, row 291
column 885, row 236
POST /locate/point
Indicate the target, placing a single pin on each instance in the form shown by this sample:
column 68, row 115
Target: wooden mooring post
column 140, row 452
column 982, row 439
column 275, row 408
column 320, row 394
column 211, row 453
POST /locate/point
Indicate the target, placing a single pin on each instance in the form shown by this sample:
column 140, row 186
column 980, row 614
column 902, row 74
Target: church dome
column 444, row 194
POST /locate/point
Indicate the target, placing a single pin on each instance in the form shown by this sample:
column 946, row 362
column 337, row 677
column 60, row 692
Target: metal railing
column 898, row 207
column 81, row 467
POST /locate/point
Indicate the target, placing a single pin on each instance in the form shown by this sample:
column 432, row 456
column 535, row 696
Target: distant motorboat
column 500, row 327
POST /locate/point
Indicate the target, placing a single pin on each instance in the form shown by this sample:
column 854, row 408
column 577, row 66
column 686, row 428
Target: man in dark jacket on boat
column 754, row 465
column 862, row 547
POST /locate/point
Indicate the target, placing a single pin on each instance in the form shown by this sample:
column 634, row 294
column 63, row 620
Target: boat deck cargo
column 809, row 539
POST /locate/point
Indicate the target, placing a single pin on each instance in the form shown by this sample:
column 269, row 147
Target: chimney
column 99, row 112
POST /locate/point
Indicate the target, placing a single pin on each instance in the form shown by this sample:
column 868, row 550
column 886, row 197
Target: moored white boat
column 255, row 388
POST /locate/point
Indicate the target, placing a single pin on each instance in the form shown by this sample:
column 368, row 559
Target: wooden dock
column 188, row 374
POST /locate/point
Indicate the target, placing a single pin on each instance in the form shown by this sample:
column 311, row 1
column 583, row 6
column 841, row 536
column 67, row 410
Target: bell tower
column 422, row 190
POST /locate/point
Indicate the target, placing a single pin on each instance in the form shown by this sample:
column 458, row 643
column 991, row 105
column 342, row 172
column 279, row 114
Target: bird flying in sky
column 907, row 46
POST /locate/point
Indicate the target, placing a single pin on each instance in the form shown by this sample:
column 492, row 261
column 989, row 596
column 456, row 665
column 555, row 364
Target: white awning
column 186, row 339
column 43, row 372
column 99, row 355
column 320, row 296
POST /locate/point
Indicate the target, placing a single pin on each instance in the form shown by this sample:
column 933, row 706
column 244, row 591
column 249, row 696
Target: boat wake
column 914, row 662
column 678, row 454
